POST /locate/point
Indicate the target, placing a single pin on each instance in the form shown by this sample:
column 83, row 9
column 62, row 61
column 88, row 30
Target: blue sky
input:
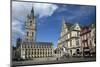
column 49, row 19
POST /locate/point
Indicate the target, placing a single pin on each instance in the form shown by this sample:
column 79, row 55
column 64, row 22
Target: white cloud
column 16, row 31
column 42, row 9
column 20, row 10
column 17, row 28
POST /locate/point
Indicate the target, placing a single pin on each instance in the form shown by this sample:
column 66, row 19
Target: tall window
column 32, row 33
column 77, row 42
column 27, row 33
column 30, row 23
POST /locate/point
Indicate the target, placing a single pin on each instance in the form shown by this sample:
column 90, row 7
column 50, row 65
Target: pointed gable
column 75, row 26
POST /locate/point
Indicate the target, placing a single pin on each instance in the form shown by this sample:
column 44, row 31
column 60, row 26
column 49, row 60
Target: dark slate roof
column 69, row 25
column 86, row 27
column 37, row 43
column 85, row 30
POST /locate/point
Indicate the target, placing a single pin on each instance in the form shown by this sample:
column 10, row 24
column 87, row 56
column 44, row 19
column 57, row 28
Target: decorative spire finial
column 32, row 10
column 63, row 19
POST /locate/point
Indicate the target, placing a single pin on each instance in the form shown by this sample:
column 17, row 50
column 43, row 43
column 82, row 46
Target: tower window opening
column 30, row 23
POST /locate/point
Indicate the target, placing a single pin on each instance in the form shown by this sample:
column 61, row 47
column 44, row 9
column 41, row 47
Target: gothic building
column 69, row 39
column 30, row 26
column 29, row 48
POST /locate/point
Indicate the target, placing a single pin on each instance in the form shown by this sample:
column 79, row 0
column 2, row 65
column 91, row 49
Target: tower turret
column 30, row 26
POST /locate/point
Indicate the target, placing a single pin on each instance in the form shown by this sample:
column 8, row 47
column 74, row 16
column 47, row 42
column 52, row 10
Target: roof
column 85, row 30
column 37, row 43
column 69, row 25
column 31, row 15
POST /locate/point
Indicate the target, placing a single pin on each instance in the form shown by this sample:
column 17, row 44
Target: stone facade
column 70, row 38
column 29, row 48
column 30, row 26
column 93, row 38
column 88, row 40
column 58, row 52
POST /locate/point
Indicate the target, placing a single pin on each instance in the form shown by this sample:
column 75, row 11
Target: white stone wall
column 70, row 39
column 31, row 52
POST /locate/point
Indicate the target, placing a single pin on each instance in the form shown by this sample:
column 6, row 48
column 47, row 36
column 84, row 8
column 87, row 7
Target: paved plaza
column 53, row 61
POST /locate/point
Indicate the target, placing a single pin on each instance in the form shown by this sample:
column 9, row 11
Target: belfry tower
column 30, row 27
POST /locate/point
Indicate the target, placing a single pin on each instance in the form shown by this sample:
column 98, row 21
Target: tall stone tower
column 30, row 27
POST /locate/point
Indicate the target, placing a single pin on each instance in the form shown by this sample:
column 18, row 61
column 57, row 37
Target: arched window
column 27, row 33
column 31, row 23
column 32, row 33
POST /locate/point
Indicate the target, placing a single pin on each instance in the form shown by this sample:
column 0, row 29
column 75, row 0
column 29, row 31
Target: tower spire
column 63, row 23
column 32, row 10
column 63, row 20
column 30, row 26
